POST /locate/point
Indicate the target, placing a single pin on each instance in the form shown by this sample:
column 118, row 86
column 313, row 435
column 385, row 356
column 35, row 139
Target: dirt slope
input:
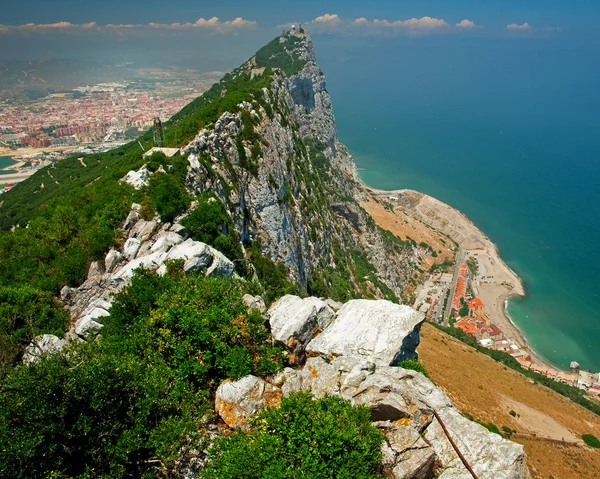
column 489, row 392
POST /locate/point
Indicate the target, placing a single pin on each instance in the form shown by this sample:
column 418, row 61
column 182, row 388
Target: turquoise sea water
column 512, row 139
column 4, row 162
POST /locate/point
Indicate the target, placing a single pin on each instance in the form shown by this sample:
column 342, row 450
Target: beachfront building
column 461, row 286
column 587, row 379
column 476, row 308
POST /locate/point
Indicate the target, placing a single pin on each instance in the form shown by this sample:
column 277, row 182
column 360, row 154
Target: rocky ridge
column 417, row 418
column 297, row 195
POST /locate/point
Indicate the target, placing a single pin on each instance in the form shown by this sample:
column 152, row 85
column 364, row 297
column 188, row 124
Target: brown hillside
column 489, row 391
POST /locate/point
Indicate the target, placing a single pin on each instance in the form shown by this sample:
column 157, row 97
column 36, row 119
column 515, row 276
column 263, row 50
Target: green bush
column 414, row 365
column 491, row 427
column 272, row 276
column 591, row 440
column 305, row 437
column 122, row 406
column 167, row 196
column 26, row 312
column 208, row 222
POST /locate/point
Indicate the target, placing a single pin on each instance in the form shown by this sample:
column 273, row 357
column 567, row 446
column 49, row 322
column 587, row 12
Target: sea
column 4, row 162
column 507, row 130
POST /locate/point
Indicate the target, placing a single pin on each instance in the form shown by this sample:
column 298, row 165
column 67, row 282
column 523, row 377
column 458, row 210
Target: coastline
column 504, row 283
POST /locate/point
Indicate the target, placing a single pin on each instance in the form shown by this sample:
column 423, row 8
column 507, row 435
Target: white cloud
column 327, row 18
column 212, row 24
column 466, row 24
column 425, row 22
column 330, row 23
column 514, row 26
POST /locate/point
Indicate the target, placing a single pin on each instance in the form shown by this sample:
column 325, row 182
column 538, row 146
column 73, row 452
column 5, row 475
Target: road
column 459, row 259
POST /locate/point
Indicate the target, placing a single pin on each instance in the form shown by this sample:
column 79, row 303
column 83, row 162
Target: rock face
column 379, row 331
column 354, row 359
column 299, row 198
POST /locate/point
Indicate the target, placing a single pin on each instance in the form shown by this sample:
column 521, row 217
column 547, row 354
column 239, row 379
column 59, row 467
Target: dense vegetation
column 124, row 404
column 305, row 437
column 573, row 393
column 280, row 53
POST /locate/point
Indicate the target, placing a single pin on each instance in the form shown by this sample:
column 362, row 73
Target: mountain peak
column 289, row 52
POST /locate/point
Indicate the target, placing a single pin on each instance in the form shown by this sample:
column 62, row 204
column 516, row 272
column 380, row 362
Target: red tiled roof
column 475, row 303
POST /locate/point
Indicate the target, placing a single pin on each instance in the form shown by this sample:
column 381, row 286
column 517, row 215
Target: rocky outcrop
column 149, row 245
column 378, row 331
column 298, row 197
column 138, row 179
column 295, row 321
column 41, row 345
column 355, row 361
column 237, row 401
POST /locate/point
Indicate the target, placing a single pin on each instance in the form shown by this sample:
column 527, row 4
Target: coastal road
column 459, row 259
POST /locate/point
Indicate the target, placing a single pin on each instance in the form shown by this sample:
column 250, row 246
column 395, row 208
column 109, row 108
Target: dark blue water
column 509, row 133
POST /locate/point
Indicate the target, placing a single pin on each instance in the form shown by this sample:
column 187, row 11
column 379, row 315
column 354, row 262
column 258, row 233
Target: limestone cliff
column 287, row 181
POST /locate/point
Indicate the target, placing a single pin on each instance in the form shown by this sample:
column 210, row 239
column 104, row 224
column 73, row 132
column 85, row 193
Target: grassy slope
column 480, row 396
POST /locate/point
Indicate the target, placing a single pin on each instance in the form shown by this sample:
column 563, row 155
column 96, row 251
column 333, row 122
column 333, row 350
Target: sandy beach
column 495, row 282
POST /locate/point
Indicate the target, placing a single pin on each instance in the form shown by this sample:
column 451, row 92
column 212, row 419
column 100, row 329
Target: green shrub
column 591, row 440
column 122, row 406
column 25, row 313
column 168, row 197
column 272, row 276
column 415, row 366
column 491, row 427
column 513, row 413
column 305, row 437
column 208, row 222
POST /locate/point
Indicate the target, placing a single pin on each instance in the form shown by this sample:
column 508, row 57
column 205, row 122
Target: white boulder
column 131, row 248
column 295, row 321
column 490, row 455
column 112, row 260
column 138, row 179
column 380, row 331
column 45, row 344
column 237, row 401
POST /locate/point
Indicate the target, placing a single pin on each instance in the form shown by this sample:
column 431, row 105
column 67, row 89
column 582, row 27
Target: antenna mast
column 158, row 132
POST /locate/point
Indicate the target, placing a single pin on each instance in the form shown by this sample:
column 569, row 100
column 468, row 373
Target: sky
column 219, row 35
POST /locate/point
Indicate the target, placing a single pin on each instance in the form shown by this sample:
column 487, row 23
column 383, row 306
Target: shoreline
column 465, row 232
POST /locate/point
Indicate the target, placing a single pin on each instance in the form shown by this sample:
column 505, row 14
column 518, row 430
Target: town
column 461, row 308
column 87, row 119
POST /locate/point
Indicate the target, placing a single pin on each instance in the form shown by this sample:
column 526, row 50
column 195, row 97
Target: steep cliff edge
column 287, row 181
